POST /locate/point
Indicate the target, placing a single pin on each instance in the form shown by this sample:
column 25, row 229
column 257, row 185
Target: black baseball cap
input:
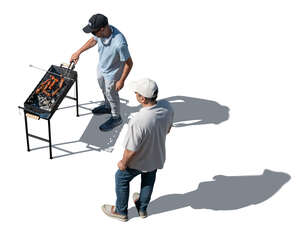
column 96, row 22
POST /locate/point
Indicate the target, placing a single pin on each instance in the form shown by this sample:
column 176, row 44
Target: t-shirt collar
column 106, row 41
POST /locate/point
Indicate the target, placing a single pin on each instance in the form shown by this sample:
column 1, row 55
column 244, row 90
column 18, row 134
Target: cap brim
column 87, row 29
column 132, row 86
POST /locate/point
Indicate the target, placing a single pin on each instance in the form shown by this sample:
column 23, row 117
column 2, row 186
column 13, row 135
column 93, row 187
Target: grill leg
column 76, row 88
column 26, row 130
column 50, row 142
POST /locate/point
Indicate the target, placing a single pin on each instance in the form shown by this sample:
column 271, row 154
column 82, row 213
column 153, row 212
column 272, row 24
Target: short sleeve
column 172, row 115
column 133, row 137
column 95, row 38
column 124, row 52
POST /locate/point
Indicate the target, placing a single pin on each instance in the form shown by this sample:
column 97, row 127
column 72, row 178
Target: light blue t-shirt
column 113, row 52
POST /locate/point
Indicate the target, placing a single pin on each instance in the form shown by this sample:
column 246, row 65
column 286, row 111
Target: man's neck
column 149, row 104
column 109, row 31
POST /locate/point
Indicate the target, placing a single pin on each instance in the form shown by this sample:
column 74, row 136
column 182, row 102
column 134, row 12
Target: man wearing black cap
column 113, row 68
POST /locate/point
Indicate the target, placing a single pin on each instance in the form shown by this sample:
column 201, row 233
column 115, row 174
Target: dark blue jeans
column 122, row 189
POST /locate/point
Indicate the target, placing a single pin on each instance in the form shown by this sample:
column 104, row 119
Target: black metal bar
column 50, row 143
column 71, row 98
column 37, row 137
column 49, row 72
column 26, row 130
column 85, row 108
column 76, row 87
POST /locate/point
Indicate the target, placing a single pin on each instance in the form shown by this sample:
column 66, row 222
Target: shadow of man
column 224, row 193
column 187, row 111
column 196, row 111
column 106, row 140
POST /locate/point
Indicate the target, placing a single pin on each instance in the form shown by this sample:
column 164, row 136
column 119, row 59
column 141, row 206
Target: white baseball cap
column 145, row 87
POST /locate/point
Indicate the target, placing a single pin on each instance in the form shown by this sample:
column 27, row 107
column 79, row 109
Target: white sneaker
column 136, row 197
column 110, row 211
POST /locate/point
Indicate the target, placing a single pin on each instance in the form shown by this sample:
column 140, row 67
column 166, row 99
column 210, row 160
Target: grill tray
column 43, row 106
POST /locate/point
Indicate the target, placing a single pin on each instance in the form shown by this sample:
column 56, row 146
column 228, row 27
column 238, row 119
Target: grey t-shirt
column 146, row 135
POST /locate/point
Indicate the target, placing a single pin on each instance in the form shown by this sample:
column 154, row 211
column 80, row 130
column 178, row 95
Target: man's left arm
column 127, row 67
column 127, row 156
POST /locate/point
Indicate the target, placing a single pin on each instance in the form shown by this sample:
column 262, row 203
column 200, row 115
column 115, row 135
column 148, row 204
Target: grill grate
column 47, row 96
column 50, row 91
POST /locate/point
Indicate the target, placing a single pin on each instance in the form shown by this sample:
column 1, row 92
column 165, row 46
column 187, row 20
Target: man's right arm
column 89, row 44
column 127, row 156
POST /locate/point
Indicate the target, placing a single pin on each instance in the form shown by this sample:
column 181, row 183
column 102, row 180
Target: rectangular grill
column 47, row 96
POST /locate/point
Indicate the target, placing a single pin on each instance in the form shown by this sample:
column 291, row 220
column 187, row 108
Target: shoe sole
column 102, row 113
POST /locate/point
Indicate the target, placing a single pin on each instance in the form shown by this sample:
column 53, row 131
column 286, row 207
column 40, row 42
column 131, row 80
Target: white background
column 241, row 54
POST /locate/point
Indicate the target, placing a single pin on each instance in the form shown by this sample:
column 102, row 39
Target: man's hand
column 127, row 156
column 119, row 85
column 75, row 57
column 122, row 166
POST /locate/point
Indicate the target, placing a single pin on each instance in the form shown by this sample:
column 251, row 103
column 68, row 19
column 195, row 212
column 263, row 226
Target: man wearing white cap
column 144, row 150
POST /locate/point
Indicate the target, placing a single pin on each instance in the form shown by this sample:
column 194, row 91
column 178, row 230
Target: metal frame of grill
column 33, row 108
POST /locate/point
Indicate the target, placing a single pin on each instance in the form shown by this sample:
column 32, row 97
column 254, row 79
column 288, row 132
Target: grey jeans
column 111, row 96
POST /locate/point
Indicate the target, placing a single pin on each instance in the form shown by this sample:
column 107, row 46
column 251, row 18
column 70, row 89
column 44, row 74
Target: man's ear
column 143, row 99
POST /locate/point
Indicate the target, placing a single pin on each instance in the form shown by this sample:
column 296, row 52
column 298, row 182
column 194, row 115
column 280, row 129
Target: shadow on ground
column 223, row 193
column 187, row 111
